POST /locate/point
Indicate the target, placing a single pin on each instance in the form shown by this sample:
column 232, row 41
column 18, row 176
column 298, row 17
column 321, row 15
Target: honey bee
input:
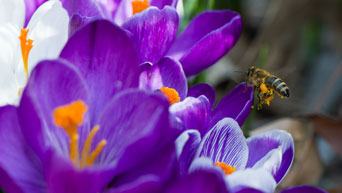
column 265, row 85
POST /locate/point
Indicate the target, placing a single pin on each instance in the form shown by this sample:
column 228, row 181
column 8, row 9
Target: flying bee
column 265, row 85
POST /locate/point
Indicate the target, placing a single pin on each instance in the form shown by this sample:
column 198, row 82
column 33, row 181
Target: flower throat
column 69, row 117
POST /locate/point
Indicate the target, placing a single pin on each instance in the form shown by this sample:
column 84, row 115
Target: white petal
column 9, row 45
column 12, row 11
column 271, row 161
column 9, row 42
column 258, row 179
column 48, row 28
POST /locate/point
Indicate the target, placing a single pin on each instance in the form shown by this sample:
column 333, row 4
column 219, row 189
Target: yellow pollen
column 263, row 88
column 25, row 45
column 139, row 6
column 69, row 117
column 268, row 100
column 171, row 94
column 227, row 169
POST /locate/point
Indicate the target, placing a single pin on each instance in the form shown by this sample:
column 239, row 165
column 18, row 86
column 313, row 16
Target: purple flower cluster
column 94, row 120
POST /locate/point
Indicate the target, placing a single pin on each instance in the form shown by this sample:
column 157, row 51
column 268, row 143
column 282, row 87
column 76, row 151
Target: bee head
column 250, row 71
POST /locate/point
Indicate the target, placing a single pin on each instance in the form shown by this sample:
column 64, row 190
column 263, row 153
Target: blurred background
column 299, row 41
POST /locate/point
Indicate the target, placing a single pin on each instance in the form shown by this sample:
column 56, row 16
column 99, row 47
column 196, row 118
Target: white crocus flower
column 47, row 28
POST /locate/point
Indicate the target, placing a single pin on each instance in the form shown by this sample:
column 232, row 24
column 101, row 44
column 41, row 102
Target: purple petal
column 207, row 38
column 89, row 8
column 31, row 7
column 20, row 170
column 51, row 84
column 166, row 73
column 205, row 181
column 257, row 180
column 107, row 60
column 148, row 183
column 62, row 176
column 237, row 104
column 77, row 21
column 153, row 31
column 135, row 125
column 162, row 3
column 203, row 89
column 271, row 161
column 186, row 145
column 162, row 166
column 260, row 144
column 225, row 143
column 304, row 189
column 194, row 113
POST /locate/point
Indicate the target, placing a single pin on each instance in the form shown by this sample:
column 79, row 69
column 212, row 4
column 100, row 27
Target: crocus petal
column 153, row 32
column 51, row 84
column 203, row 89
column 8, row 57
column 237, row 104
column 148, row 183
column 31, row 7
column 186, row 145
column 257, row 179
column 77, row 21
column 208, row 37
column 260, row 144
column 129, row 142
column 271, row 161
column 304, row 189
column 88, row 8
column 19, row 167
column 105, row 56
column 162, row 166
column 48, row 28
column 13, row 12
column 194, row 113
column 166, row 73
column 209, row 180
column 162, row 3
column 62, row 176
column 225, row 143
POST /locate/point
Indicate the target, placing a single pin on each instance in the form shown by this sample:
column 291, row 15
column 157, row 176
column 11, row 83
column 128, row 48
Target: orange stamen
column 139, row 6
column 171, row 94
column 25, row 45
column 69, row 117
column 227, row 169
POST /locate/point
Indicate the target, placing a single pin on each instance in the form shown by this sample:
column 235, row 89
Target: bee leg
column 260, row 99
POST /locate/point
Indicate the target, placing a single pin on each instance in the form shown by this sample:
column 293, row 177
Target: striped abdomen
column 278, row 85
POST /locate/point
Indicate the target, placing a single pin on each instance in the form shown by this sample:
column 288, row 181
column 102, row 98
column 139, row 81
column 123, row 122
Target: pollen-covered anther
column 227, row 169
column 139, row 6
column 171, row 94
column 25, row 45
column 69, row 117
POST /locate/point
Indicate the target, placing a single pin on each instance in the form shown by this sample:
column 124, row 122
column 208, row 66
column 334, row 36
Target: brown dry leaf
column 330, row 129
column 306, row 167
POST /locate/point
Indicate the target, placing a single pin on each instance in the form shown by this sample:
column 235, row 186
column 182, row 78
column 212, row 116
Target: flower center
column 227, row 169
column 69, row 117
column 171, row 94
column 139, row 6
column 25, row 45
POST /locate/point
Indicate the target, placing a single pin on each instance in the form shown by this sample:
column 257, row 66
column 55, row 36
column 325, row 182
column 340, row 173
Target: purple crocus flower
column 207, row 38
column 258, row 162
column 123, row 135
